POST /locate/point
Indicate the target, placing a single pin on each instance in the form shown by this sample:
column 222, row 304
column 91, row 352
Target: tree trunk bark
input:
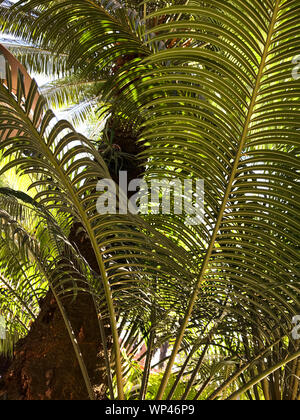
column 45, row 366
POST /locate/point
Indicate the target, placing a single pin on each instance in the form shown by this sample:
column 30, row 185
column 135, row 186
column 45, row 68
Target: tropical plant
column 206, row 89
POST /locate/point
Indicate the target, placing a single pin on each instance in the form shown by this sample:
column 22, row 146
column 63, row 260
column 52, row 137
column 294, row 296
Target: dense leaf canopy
column 207, row 89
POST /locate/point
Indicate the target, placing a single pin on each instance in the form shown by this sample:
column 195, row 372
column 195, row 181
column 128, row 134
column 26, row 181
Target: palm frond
column 37, row 60
column 228, row 124
column 90, row 47
column 67, row 168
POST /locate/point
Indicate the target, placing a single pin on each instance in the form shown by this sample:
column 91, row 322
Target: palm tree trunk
column 45, row 367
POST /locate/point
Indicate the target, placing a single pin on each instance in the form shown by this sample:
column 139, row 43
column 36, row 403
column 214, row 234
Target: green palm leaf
column 247, row 87
column 66, row 168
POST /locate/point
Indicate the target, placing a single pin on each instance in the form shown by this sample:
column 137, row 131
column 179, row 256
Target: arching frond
column 67, row 168
column 228, row 113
